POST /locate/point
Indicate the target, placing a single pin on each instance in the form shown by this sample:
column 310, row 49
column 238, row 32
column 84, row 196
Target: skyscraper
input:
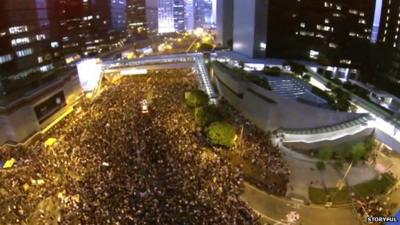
column 203, row 12
column 28, row 39
column 152, row 15
column 179, row 15
column 224, row 22
column 249, row 33
column 327, row 31
column 189, row 14
column 166, row 16
column 89, row 27
column 136, row 16
column 389, row 23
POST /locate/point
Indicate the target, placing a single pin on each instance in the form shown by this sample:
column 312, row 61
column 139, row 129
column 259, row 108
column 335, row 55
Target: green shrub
column 307, row 77
column 221, row 133
column 323, row 95
column 196, row 98
column 358, row 152
column 274, row 71
column 325, row 154
column 206, row 115
column 205, row 47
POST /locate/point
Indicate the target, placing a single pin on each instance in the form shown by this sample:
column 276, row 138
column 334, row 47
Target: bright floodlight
column 89, row 71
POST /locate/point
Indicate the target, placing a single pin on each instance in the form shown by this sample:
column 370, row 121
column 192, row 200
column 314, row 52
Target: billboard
column 89, row 71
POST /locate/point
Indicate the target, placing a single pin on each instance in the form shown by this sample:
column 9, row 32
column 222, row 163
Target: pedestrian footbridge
column 195, row 60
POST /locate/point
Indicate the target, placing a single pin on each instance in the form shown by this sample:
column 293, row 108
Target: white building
column 166, row 16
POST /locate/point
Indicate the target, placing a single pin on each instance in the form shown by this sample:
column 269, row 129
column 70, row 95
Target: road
column 274, row 210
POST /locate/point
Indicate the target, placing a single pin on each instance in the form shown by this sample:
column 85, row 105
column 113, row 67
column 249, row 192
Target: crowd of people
column 372, row 207
column 112, row 164
column 255, row 146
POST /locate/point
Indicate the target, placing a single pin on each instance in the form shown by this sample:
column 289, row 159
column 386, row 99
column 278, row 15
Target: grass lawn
column 371, row 188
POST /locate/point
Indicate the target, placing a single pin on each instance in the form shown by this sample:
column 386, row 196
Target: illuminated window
column 25, row 52
column 20, row 41
column 40, row 37
column 5, row 58
column 54, row 44
column 18, row 29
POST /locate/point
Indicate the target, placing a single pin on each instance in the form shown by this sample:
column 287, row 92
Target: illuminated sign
column 89, row 71
column 133, row 72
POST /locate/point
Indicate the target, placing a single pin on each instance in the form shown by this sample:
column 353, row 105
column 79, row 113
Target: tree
column 326, row 154
column 274, row 71
column 297, row 67
column 358, row 152
column 205, row 47
column 370, row 145
column 196, row 98
column 307, row 77
column 221, row 133
column 342, row 99
column 206, row 115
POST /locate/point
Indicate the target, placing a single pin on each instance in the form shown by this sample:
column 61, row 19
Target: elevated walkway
column 149, row 62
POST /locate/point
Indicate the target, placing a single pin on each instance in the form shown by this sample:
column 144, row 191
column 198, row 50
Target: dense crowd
column 111, row 164
column 255, row 146
column 372, row 207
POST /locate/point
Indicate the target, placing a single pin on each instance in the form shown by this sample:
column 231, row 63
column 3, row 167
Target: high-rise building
column 179, row 15
column 389, row 27
column 389, row 34
column 89, row 27
column 203, row 13
column 152, row 16
column 75, row 27
column 112, row 15
column 249, row 33
column 136, row 16
column 166, row 20
column 326, row 30
column 189, row 15
column 28, row 40
column 224, row 22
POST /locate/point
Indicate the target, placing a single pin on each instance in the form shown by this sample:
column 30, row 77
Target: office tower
column 224, row 22
column 89, row 27
column 75, row 27
column 389, row 35
column 166, row 16
column 112, row 15
column 389, row 24
column 152, row 16
column 28, row 40
column 328, row 31
column 136, row 16
column 179, row 15
column 203, row 12
column 250, row 23
column 189, row 15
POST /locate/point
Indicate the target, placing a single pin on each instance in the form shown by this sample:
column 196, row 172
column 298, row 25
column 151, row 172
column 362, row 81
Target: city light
column 89, row 71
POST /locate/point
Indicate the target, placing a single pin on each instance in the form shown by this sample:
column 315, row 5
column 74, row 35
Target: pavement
column 304, row 173
column 391, row 163
column 273, row 210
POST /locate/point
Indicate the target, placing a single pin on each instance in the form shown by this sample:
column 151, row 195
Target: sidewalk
column 275, row 209
column 304, row 172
